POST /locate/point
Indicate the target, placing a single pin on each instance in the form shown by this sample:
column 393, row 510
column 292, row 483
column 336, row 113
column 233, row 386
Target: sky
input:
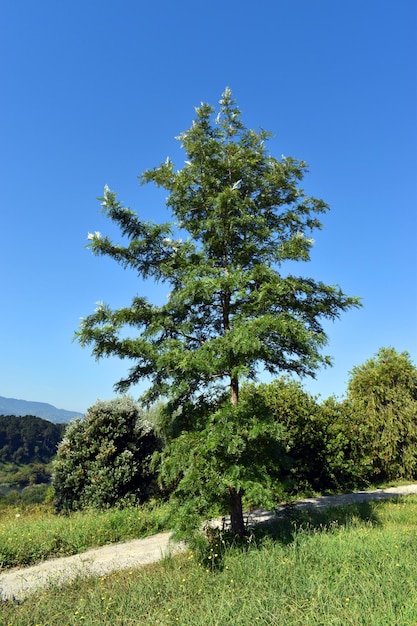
column 95, row 92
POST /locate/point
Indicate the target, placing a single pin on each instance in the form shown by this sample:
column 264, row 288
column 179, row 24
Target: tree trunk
column 236, row 512
column 235, row 497
column 234, row 391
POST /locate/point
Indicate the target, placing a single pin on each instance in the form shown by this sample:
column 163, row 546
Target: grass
column 29, row 534
column 33, row 533
column 349, row 566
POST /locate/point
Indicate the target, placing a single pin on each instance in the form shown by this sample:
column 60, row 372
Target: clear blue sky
column 94, row 92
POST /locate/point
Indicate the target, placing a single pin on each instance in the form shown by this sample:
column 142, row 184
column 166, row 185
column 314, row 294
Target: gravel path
column 19, row 583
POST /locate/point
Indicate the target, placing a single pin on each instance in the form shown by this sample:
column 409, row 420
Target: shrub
column 34, row 494
column 103, row 459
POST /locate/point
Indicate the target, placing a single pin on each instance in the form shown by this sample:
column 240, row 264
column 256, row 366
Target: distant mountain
column 11, row 406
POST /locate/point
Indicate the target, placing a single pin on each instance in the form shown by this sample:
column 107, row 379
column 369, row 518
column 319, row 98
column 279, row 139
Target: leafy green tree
column 299, row 415
column 103, row 459
column 346, row 461
column 231, row 309
column 383, row 392
column 321, row 439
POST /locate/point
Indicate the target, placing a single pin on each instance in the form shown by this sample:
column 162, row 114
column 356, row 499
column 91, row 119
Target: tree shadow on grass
column 285, row 526
column 290, row 521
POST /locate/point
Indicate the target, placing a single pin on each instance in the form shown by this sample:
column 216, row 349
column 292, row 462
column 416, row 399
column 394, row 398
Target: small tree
column 383, row 392
column 103, row 459
column 230, row 310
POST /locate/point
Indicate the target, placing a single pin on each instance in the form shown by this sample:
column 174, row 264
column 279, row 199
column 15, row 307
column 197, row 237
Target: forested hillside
column 28, row 439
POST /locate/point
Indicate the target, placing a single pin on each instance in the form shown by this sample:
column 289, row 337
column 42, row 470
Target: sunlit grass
column 33, row 533
column 352, row 566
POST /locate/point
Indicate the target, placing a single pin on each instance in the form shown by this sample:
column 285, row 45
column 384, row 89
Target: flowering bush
column 103, row 459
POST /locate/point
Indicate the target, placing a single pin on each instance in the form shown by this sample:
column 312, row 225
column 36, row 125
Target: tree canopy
column 237, row 215
column 383, row 392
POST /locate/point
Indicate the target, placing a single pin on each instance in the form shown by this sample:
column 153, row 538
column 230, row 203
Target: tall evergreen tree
column 231, row 309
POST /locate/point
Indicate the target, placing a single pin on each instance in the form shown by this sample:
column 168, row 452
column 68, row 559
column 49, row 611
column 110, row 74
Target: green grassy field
column 29, row 534
column 344, row 566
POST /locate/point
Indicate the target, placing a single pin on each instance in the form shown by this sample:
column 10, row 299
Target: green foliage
column 237, row 448
column 383, row 393
column 347, row 464
column 103, row 460
column 339, row 445
column 34, row 494
column 12, row 498
column 28, row 439
column 321, row 440
column 299, row 415
column 231, row 310
column 22, row 475
column 27, row 446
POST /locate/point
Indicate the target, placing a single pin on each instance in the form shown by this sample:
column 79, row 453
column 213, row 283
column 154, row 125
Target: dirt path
column 19, row 583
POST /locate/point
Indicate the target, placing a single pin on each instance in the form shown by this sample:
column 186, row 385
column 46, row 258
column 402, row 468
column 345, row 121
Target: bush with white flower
column 103, row 459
